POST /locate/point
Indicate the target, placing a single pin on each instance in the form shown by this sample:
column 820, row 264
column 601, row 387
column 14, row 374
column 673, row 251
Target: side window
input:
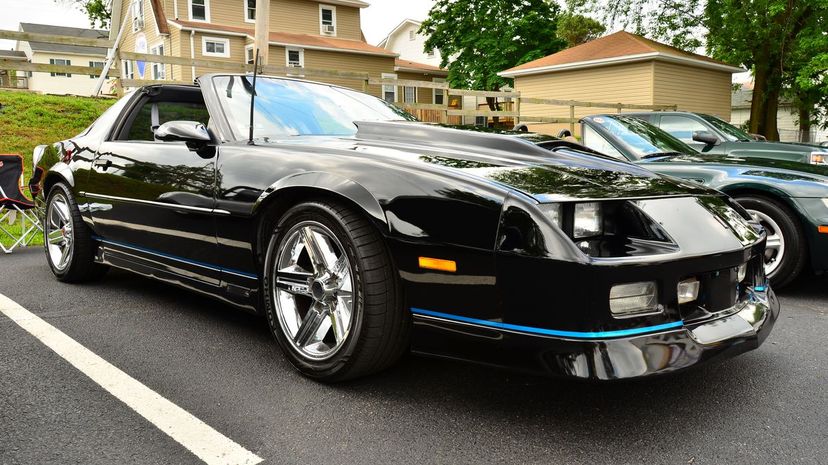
column 681, row 127
column 152, row 114
column 597, row 142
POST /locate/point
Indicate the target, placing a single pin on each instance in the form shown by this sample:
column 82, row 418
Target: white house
column 410, row 44
column 786, row 116
column 60, row 54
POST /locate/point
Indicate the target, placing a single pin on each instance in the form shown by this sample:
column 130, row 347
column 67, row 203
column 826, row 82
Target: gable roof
column 69, row 32
column 384, row 42
column 620, row 47
column 408, row 65
column 12, row 55
column 306, row 41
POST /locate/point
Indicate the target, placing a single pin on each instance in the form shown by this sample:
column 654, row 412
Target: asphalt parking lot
column 221, row 366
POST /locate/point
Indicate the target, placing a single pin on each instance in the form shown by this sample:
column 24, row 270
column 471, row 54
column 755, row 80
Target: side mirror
column 706, row 137
column 183, row 131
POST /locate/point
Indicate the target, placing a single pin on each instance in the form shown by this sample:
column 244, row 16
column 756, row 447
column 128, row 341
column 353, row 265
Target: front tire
column 331, row 297
column 786, row 251
column 70, row 249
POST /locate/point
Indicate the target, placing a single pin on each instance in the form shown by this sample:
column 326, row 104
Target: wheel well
column 276, row 205
column 769, row 195
column 52, row 178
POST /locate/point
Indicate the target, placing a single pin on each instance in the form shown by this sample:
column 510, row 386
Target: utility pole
column 262, row 30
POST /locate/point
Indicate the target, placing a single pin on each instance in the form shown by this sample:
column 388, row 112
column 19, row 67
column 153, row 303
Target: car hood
column 561, row 175
column 784, row 169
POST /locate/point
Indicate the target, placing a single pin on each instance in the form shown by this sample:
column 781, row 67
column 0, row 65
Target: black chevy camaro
column 361, row 234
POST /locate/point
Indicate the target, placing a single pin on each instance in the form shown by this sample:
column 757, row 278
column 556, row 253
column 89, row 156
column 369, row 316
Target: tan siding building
column 304, row 34
column 622, row 68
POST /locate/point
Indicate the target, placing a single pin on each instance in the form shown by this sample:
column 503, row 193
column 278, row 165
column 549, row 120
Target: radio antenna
column 253, row 95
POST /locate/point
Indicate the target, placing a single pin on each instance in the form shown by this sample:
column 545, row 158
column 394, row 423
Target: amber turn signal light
column 823, row 229
column 438, row 264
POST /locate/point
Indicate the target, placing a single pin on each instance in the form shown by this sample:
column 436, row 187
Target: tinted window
column 731, row 132
column 287, row 108
column 143, row 126
column 681, row 127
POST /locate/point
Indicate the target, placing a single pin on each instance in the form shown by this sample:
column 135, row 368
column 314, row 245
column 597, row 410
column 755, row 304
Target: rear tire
column 349, row 299
column 70, row 249
column 786, row 254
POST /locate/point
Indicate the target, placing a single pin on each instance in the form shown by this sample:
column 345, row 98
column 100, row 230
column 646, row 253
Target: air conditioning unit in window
column 137, row 24
column 329, row 29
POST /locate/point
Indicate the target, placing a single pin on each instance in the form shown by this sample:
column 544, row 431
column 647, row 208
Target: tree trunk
column 804, row 123
column 492, row 102
column 771, row 110
column 761, row 72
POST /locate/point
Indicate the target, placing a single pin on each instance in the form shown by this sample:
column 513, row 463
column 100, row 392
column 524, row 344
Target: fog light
column 688, row 290
column 741, row 272
column 633, row 298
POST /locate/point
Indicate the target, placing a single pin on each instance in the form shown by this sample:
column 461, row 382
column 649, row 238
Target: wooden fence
column 444, row 113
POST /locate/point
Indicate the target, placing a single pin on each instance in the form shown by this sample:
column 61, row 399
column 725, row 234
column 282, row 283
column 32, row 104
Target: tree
column 98, row 11
column 479, row 38
column 577, row 29
column 761, row 35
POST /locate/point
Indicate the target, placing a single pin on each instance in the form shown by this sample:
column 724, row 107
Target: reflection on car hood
column 561, row 175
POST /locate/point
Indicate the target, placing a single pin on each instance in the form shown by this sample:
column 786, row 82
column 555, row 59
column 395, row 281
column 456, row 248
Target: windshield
column 732, row 133
column 287, row 108
column 640, row 138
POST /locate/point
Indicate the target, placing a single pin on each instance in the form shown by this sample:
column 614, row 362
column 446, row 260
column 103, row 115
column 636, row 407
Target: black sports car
column 360, row 234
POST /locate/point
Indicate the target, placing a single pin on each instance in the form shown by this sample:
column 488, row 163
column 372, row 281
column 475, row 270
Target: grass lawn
column 28, row 119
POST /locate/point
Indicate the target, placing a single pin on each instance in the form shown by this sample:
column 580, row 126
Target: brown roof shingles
column 305, row 40
column 617, row 45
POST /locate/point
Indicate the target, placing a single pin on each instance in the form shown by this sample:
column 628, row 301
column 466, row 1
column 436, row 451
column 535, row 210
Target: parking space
column 223, row 367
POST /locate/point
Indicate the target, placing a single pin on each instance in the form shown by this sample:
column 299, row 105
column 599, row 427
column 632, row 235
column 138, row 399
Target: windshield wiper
column 662, row 154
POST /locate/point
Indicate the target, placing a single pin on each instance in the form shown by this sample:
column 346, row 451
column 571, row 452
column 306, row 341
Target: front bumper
column 726, row 333
column 730, row 332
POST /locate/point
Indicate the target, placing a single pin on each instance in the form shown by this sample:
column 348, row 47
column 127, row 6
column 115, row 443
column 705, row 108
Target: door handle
column 103, row 164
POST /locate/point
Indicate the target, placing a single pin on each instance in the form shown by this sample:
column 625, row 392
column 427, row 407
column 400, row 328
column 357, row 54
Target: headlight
column 633, row 299
column 588, row 220
column 818, row 158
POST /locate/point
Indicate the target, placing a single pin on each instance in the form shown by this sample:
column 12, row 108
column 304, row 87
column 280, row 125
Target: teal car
column 710, row 135
column 789, row 199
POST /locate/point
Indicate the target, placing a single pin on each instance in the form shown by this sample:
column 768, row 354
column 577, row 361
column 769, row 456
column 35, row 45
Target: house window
column 215, row 47
column 200, row 10
column 159, row 73
column 430, row 53
column 128, row 70
column 95, row 64
column 250, row 55
column 137, row 15
column 439, row 94
column 327, row 19
column 61, row 62
column 250, row 11
column 412, row 34
column 410, row 94
column 295, row 57
column 389, row 91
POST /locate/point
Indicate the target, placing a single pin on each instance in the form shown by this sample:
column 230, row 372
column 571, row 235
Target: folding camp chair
column 15, row 208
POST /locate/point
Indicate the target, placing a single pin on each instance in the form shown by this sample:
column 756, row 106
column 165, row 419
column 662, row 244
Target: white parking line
column 199, row 438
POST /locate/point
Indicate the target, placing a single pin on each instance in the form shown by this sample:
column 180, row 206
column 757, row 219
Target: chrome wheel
column 313, row 287
column 775, row 246
column 58, row 232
